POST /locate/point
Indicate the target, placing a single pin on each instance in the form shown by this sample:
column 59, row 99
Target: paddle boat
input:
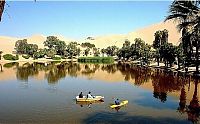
column 85, row 99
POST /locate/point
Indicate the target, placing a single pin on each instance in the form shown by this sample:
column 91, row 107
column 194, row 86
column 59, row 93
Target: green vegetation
column 96, row 51
column 22, row 47
column 0, row 54
column 56, row 58
column 51, row 53
column 54, row 44
column 87, row 44
column 111, row 50
column 10, row 57
column 72, row 50
column 184, row 55
column 96, row 59
column 186, row 13
column 10, row 65
column 40, row 53
column 26, row 56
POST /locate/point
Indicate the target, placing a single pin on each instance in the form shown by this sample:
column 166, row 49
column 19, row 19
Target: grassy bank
column 96, row 59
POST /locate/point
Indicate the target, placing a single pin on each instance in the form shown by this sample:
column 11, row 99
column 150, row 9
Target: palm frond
column 176, row 16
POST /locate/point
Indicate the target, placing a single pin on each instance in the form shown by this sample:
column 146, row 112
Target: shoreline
column 36, row 60
column 161, row 66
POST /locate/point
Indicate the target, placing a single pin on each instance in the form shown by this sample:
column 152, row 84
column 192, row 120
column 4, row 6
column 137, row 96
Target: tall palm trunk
column 2, row 3
column 197, row 59
column 158, row 61
column 178, row 57
column 1, row 68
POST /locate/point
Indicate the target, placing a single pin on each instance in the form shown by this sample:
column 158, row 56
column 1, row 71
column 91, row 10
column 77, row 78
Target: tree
column 96, row 51
column 179, row 54
column 40, row 53
column 164, row 37
column 157, row 44
column 125, row 51
column 187, row 14
column 139, row 47
column 168, row 53
column 60, row 47
column 51, row 53
column 21, row 46
column 87, row 44
column 2, row 3
column 146, row 54
column 162, row 47
column 78, row 50
column 31, row 49
column 72, row 49
column 103, row 51
column 87, row 50
column 111, row 50
column 53, row 42
column 1, row 54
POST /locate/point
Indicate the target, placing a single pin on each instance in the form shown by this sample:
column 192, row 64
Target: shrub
column 56, row 58
column 96, row 59
column 26, row 56
column 10, row 57
column 63, row 57
column 10, row 65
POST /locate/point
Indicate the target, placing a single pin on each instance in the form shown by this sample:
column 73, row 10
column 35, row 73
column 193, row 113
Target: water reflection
column 1, row 68
column 163, row 82
column 88, row 104
column 193, row 109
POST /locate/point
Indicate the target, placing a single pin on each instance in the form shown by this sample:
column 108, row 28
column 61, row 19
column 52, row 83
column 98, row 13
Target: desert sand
column 146, row 33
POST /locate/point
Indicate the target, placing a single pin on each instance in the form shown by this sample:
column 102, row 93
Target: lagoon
column 45, row 93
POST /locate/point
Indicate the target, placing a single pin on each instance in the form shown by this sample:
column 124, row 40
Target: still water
column 45, row 92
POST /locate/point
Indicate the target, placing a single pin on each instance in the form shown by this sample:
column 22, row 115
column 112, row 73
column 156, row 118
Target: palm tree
column 164, row 38
column 157, row 44
column 1, row 69
column 187, row 15
column 0, row 54
column 2, row 3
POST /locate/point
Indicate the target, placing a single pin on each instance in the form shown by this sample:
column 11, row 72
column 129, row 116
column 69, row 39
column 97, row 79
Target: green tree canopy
column 87, row 44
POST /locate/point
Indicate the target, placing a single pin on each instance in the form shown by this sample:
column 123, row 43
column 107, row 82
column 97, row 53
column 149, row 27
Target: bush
column 96, row 59
column 26, row 56
column 10, row 57
column 56, row 58
column 63, row 57
column 10, row 65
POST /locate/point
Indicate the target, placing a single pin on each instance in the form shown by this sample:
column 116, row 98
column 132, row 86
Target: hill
column 146, row 33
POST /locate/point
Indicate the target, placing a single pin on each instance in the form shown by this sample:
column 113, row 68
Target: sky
column 79, row 19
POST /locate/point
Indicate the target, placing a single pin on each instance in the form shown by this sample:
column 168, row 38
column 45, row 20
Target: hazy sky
column 80, row 19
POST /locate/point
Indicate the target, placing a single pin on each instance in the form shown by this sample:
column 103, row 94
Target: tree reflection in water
column 193, row 109
column 26, row 70
column 1, row 68
column 163, row 81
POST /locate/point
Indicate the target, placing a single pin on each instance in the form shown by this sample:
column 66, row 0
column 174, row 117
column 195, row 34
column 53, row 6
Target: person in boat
column 117, row 102
column 89, row 95
column 81, row 95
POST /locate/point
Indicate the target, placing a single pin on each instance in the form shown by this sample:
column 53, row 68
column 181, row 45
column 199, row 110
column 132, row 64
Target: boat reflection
column 88, row 104
column 161, row 82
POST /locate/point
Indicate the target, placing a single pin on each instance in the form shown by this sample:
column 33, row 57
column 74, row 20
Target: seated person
column 81, row 95
column 89, row 95
column 117, row 102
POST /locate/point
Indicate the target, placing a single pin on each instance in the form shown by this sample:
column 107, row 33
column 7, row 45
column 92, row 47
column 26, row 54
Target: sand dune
column 146, row 33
